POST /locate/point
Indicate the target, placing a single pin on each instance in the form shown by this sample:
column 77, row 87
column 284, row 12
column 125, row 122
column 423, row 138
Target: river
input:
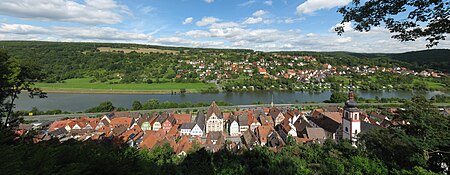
column 81, row 102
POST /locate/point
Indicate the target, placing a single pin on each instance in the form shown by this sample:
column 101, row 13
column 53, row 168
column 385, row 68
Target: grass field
column 138, row 50
column 82, row 85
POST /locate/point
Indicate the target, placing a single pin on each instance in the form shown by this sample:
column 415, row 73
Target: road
column 41, row 118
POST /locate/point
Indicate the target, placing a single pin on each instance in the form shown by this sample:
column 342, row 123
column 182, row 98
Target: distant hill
column 438, row 59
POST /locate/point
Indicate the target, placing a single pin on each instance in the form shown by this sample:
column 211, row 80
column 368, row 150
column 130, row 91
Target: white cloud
column 269, row 3
column 83, row 33
column 198, row 33
column 209, row 1
column 177, row 41
column 89, row 12
column 347, row 27
column 188, row 20
column 247, row 3
column 147, row 9
column 260, row 13
column 207, row 21
column 252, row 20
column 224, row 25
column 310, row 6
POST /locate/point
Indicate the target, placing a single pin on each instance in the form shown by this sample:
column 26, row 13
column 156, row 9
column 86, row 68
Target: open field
column 138, row 50
column 82, row 85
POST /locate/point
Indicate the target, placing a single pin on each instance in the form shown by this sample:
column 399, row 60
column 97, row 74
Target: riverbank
column 113, row 91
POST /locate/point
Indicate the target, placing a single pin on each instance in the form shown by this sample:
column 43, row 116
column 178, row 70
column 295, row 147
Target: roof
column 274, row 112
column 227, row 115
column 200, row 120
column 214, row 109
column 263, row 133
column 57, row 124
column 216, row 135
column 25, row 126
column 243, row 120
column 187, row 125
column 121, row 121
column 326, row 123
column 161, row 118
column 316, row 133
column 125, row 114
column 249, row 138
column 367, row 126
column 119, row 130
column 149, row 141
column 182, row 118
column 378, row 116
column 336, row 116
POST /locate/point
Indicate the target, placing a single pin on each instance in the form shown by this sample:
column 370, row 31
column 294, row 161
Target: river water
column 81, row 102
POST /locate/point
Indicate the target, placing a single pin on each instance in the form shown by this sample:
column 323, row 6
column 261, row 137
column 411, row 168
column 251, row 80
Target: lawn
column 83, row 84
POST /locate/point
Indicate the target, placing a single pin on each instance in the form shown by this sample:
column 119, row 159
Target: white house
column 214, row 119
column 234, row 128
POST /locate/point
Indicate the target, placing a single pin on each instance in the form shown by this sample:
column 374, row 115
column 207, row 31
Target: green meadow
column 82, row 85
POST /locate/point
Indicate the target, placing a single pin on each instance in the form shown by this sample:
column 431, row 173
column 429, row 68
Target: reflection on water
column 81, row 102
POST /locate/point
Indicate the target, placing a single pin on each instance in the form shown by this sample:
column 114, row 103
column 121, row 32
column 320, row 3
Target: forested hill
column 433, row 59
column 135, row 62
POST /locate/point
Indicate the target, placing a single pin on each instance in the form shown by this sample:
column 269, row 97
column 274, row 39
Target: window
column 346, row 129
column 356, row 117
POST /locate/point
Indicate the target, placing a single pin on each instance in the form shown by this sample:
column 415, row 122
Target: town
column 215, row 129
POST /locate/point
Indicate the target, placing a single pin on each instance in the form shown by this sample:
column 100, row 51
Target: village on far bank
column 213, row 129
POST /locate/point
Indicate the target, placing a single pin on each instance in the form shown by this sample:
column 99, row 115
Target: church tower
column 351, row 124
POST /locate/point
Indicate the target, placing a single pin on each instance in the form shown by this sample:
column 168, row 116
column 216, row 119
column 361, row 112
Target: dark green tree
column 136, row 105
column 408, row 20
column 16, row 77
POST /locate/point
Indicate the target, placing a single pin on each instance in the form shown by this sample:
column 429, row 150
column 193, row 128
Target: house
column 243, row 122
column 253, row 121
column 234, row 128
column 148, row 142
column 182, row 118
column 315, row 135
column 274, row 139
column 121, row 121
column 157, row 122
column 57, row 125
column 199, row 127
column 104, row 121
column 168, row 123
column 184, row 145
column 262, row 133
column 249, row 139
column 214, row 141
column 214, row 119
column 266, row 120
column 277, row 115
column 186, row 128
column 331, row 127
column 288, row 128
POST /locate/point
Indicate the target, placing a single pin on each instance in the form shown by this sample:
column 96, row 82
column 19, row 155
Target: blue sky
column 267, row 25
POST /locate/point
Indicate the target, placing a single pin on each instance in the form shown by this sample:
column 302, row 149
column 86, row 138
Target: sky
column 263, row 25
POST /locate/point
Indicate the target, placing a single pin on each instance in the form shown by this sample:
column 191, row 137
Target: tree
column 16, row 77
column 423, row 142
column 424, row 18
column 136, row 105
column 338, row 97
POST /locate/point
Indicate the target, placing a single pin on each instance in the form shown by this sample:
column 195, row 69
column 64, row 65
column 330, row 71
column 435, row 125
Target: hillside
column 438, row 59
column 136, row 63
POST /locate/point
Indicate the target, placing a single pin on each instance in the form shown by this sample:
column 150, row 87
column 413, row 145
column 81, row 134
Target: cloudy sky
column 267, row 25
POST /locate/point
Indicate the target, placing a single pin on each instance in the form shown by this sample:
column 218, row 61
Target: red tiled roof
column 182, row 118
column 57, row 124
